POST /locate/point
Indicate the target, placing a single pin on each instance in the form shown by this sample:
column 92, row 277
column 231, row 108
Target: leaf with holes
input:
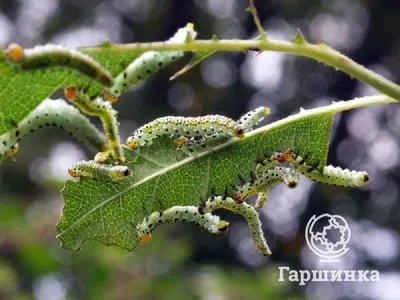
column 109, row 212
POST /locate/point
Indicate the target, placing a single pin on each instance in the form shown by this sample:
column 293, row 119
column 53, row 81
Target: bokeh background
column 182, row 262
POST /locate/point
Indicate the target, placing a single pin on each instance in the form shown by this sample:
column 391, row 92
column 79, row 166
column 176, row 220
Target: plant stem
column 253, row 11
column 320, row 52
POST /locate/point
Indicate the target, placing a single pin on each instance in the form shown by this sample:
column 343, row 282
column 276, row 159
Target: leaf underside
column 109, row 212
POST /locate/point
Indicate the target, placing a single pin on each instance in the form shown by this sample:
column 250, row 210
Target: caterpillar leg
column 102, row 157
column 247, row 211
column 181, row 214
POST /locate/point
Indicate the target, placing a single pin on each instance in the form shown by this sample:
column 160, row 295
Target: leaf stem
column 298, row 46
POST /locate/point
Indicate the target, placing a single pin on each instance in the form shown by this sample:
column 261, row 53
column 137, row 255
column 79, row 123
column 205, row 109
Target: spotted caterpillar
column 55, row 113
column 193, row 146
column 181, row 214
column 330, row 174
column 247, row 211
column 107, row 115
column 92, row 169
column 147, row 64
column 50, row 56
column 181, row 126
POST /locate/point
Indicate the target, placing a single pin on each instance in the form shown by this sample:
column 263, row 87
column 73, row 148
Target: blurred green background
column 182, row 262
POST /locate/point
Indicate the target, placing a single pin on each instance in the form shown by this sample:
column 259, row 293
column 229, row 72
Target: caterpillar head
column 72, row 172
column 131, row 143
column 70, row 93
column 15, row 52
column 364, row 178
column 223, row 227
column 145, row 238
column 266, row 111
column 120, row 172
column 180, row 142
column 236, row 198
column 292, row 184
column 109, row 97
column 239, row 131
column 13, row 151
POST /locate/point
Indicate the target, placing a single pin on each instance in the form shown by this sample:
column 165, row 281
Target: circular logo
column 327, row 236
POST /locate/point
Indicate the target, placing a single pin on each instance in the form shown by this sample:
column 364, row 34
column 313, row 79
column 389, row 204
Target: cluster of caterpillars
column 59, row 114
column 193, row 136
column 267, row 173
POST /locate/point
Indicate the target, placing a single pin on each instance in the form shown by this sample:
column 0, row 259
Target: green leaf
column 109, row 212
column 22, row 92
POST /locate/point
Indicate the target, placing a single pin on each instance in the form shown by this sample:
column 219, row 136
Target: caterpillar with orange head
column 51, row 56
column 193, row 146
column 147, row 64
column 184, row 126
column 92, row 169
column 181, row 214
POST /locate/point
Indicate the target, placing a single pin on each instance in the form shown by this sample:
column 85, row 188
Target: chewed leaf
column 109, row 212
column 197, row 58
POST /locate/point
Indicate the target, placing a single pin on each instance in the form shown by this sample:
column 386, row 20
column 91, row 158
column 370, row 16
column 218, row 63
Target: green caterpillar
column 92, row 169
column 247, row 211
column 330, row 174
column 107, row 115
column 147, row 64
column 184, row 126
column 181, row 214
column 193, row 146
column 55, row 113
column 50, row 56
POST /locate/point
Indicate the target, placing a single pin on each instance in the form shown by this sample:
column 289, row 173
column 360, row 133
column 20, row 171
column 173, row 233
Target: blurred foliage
column 183, row 262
